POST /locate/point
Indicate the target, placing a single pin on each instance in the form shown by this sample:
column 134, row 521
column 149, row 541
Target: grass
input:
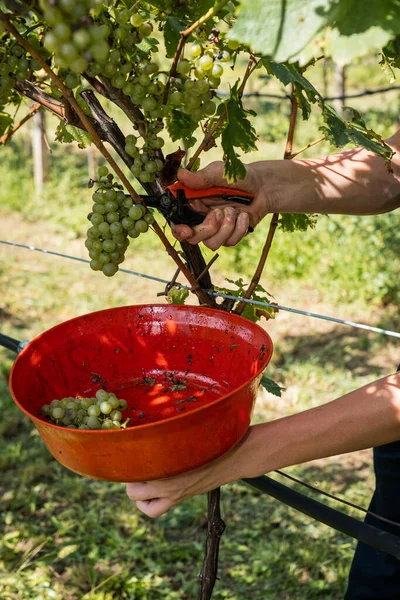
column 69, row 538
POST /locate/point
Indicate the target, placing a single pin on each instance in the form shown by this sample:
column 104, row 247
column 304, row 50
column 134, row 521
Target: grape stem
column 70, row 98
column 6, row 137
column 275, row 217
column 182, row 41
column 321, row 139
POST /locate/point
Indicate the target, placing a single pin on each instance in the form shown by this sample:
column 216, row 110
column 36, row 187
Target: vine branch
column 87, row 124
column 321, row 139
column 215, row 529
column 6, row 137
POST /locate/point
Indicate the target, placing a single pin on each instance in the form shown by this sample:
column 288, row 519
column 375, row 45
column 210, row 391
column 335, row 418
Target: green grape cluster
column 104, row 411
column 75, row 37
column 14, row 60
column 199, row 76
column 146, row 163
column 115, row 219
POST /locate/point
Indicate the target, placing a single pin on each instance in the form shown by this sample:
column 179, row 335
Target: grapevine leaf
column 287, row 73
column 251, row 311
column 177, row 295
column 390, row 58
column 148, row 44
column 172, row 29
column 290, row 222
column 238, row 133
column 68, row 133
column 341, row 132
column 181, row 127
column 357, row 31
column 5, row 122
column 290, row 73
column 271, row 386
column 281, row 28
column 289, row 30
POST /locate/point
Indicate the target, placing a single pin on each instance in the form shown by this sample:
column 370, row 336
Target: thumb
column 211, row 175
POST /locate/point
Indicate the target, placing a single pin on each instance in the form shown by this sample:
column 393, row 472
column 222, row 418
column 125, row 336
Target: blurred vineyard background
column 68, row 538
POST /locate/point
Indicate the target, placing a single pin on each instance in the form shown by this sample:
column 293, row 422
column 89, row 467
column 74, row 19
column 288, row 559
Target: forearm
column 354, row 182
column 367, row 417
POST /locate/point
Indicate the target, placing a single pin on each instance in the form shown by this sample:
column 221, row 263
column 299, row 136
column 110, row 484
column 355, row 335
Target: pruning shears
column 174, row 202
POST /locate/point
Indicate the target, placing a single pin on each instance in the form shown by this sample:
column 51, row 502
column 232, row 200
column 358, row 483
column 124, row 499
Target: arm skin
column 353, row 182
column 369, row 416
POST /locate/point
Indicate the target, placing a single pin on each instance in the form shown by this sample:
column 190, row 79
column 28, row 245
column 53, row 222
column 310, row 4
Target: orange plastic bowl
column 189, row 374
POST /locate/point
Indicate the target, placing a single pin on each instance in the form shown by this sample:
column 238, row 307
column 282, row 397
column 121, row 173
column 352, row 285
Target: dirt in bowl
column 164, row 394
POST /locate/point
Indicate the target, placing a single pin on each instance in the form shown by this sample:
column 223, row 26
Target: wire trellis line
column 221, row 295
column 325, row 98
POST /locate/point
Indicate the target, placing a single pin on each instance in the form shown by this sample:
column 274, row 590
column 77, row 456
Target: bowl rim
column 145, row 426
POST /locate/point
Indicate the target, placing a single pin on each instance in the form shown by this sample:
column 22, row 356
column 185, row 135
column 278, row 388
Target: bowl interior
column 165, row 360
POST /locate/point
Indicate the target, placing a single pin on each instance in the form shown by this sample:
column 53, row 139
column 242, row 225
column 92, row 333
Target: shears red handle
column 228, row 194
column 174, row 202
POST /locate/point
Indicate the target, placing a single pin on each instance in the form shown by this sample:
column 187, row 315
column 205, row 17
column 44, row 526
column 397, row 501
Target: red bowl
column 189, row 374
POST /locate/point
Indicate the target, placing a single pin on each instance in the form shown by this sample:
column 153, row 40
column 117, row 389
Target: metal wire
column 221, row 295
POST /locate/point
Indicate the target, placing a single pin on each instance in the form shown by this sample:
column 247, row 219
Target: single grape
column 96, row 219
column 137, row 20
column 112, row 217
column 116, row 415
column 116, row 228
column 209, row 107
column 206, row 62
column 217, row 70
column 97, row 245
column 105, row 227
column 93, row 410
column 141, row 226
column 113, row 400
column 176, row 98
column 108, row 246
column 110, row 195
column 106, row 407
column 133, row 233
column 195, row 50
column 183, row 67
column 233, row 44
column 110, row 269
column 58, row 413
column 93, row 422
column 135, row 212
column 145, row 29
column 96, row 265
column 104, row 258
column 149, row 218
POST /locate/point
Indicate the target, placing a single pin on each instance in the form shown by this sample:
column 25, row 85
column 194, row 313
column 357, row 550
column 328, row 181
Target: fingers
column 241, row 229
column 155, row 508
column 220, row 228
column 141, row 491
column 145, row 495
